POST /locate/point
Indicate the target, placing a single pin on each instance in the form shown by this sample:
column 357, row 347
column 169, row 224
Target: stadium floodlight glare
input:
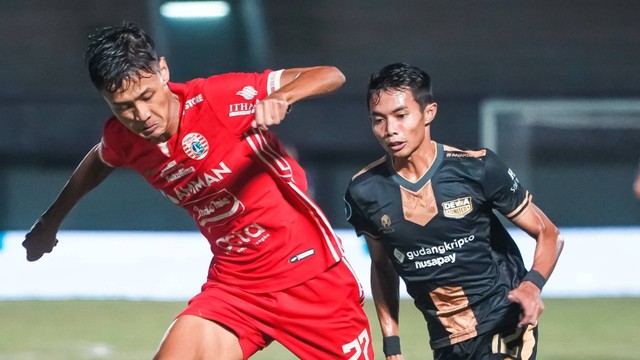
column 194, row 9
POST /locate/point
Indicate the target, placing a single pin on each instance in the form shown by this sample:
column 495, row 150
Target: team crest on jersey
column 195, row 146
column 458, row 208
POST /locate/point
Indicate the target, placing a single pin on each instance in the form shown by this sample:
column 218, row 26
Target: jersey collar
column 424, row 179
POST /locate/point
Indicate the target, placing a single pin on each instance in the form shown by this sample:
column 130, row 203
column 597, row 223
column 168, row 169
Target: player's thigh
column 324, row 318
column 192, row 337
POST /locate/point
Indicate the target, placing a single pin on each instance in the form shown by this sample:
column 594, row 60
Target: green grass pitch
column 599, row 328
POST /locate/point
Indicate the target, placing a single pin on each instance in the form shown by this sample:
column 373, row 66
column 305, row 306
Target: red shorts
column 322, row 318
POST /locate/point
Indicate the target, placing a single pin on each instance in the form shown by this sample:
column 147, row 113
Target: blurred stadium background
column 552, row 86
column 475, row 51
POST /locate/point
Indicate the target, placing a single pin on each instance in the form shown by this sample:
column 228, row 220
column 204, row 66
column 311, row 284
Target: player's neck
column 418, row 163
column 174, row 121
column 175, row 114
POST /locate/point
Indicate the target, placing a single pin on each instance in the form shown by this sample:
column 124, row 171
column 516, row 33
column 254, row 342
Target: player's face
column 146, row 106
column 399, row 124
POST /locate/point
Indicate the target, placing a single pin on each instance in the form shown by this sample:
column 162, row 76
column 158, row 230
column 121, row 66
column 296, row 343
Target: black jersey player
column 427, row 213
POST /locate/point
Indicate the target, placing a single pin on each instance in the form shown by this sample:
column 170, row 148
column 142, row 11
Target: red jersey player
column 278, row 270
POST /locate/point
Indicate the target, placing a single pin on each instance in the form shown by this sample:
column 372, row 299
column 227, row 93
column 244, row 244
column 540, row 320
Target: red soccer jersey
column 246, row 194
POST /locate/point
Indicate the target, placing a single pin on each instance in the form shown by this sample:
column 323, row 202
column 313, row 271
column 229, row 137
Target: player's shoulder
column 457, row 152
column 470, row 160
column 234, row 86
column 212, row 83
column 232, row 77
column 375, row 169
column 367, row 178
column 114, row 128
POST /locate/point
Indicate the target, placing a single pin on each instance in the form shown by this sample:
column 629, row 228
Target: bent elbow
column 336, row 76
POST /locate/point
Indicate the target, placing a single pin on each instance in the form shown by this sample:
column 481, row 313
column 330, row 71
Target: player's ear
column 429, row 113
column 164, row 70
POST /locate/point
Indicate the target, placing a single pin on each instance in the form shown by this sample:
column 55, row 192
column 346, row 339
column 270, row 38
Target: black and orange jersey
column 444, row 239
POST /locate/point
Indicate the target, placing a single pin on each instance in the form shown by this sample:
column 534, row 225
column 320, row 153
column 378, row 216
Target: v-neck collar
column 415, row 186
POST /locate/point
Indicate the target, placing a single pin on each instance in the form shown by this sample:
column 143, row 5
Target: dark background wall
column 50, row 116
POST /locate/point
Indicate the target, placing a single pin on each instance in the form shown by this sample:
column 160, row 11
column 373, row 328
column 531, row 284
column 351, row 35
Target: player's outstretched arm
column 42, row 237
column 296, row 84
column 385, row 291
column 548, row 248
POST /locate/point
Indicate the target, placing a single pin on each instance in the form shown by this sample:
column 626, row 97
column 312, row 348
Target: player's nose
column 391, row 128
column 143, row 113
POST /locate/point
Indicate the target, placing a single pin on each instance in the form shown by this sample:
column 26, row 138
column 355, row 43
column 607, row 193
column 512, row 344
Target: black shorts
column 515, row 343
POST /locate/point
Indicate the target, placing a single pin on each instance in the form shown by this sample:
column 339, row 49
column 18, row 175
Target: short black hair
column 401, row 76
column 116, row 54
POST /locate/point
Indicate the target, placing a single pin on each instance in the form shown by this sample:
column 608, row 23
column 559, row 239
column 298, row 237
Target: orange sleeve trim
column 368, row 167
column 520, row 209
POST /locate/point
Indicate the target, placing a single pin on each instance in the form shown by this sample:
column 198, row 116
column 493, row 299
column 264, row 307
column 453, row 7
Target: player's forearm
column 306, row 83
column 549, row 244
column 384, row 288
column 90, row 173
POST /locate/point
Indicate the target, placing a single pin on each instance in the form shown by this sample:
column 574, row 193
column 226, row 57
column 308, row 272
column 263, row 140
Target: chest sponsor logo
column 174, row 171
column 199, row 183
column 248, row 92
column 417, row 255
column 439, row 261
column 218, row 208
column 240, row 109
column 195, row 146
column 238, row 241
column 458, row 208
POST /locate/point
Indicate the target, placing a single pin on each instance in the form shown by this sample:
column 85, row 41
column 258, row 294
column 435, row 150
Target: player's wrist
column 391, row 345
column 536, row 278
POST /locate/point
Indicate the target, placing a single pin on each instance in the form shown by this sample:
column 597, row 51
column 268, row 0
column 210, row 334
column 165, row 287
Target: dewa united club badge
column 195, row 146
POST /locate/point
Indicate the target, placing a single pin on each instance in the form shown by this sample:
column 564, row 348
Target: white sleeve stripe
column 99, row 146
column 282, row 169
column 273, row 82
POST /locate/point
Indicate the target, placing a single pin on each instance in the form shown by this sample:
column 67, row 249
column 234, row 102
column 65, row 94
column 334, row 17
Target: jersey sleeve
column 109, row 152
column 357, row 219
column 503, row 189
column 233, row 96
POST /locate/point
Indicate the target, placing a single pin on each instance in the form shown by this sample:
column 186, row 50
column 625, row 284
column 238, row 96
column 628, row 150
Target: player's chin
column 154, row 136
column 400, row 154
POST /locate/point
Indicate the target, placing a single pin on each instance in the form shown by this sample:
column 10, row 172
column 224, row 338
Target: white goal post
column 578, row 155
column 567, row 113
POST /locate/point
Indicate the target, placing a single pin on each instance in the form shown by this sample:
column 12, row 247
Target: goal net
column 578, row 158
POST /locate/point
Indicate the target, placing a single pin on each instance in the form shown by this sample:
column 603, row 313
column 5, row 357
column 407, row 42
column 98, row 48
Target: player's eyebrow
column 396, row 110
column 142, row 94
